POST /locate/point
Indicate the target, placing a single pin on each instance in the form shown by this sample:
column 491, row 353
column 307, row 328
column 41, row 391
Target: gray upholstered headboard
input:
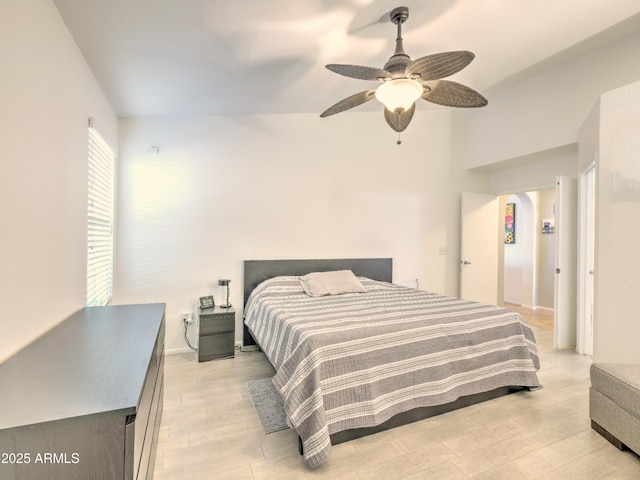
column 257, row 271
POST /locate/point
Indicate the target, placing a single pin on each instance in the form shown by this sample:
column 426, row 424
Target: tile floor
column 210, row 430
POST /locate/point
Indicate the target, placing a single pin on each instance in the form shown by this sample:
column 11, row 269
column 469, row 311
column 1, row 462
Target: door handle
column 464, row 262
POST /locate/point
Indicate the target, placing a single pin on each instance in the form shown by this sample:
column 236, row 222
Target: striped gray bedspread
column 356, row 360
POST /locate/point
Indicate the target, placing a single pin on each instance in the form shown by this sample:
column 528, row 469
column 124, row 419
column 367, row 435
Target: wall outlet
column 187, row 317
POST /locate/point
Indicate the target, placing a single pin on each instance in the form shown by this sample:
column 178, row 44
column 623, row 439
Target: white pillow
column 320, row 284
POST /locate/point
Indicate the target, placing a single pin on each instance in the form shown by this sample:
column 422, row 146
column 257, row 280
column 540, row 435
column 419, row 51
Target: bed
column 379, row 355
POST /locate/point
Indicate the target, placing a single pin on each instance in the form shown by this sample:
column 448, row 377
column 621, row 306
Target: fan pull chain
column 399, row 141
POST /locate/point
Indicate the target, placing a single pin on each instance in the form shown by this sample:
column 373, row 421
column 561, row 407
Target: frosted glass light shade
column 400, row 93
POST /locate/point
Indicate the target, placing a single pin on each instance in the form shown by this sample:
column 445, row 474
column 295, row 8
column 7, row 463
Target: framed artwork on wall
column 510, row 223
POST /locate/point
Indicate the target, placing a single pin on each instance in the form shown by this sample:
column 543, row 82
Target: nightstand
column 216, row 336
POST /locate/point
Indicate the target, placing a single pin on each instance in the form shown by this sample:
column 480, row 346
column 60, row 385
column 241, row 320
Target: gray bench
column 614, row 403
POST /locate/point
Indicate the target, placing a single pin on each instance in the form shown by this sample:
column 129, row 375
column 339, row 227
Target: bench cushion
column 620, row 382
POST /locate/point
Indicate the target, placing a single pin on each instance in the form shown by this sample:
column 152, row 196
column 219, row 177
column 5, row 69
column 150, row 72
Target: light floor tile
column 209, row 430
column 494, row 455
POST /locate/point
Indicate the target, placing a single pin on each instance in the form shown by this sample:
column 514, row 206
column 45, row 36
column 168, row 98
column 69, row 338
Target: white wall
column 538, row 175
column 617, row 272
column 223, row 190
column 546, row 112
column 47, row 93
column 546, row 251
column 589, row 138
column 526, row 137
column 363, row 202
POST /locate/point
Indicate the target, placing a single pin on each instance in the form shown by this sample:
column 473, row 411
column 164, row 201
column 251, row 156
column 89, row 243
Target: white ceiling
column 227, row 57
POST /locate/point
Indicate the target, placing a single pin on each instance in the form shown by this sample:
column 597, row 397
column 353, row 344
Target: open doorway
column 528, row 257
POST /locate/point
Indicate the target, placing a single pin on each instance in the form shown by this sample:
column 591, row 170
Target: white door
column 479, row 248
column 565, row 303
column 587, row 260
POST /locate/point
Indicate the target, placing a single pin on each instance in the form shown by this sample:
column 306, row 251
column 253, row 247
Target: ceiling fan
column 403, row 81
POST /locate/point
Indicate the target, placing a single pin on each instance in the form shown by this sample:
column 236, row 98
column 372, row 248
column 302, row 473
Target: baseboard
column 546, row 309
column 518, row 304
column 177, row 351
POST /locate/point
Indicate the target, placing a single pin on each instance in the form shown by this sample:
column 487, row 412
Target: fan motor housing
column 399, row 15
column 397, row 64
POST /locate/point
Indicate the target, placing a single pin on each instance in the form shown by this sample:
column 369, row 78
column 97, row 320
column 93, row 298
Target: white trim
column 93, row 123
column 584, row 340
column 546, row 309
column 517, row 303
column 178, row 351
column 533, row 188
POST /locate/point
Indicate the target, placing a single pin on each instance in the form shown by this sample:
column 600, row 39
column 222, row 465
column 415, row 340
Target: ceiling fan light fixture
column 399, row 94
column 404, row 81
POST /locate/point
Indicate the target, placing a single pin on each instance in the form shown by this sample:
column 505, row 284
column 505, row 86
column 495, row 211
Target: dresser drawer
column 217, row 323
column 218, row 345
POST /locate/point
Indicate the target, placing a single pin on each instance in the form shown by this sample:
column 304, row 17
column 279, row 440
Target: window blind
column 100, row 219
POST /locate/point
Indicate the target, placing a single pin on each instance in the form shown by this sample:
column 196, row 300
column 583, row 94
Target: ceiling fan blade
column 360, row 72
column 452, row 94
column 349, row 102
column 439, row 65
column 399, row 121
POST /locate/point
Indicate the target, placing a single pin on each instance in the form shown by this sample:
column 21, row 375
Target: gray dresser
column 84, row 401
